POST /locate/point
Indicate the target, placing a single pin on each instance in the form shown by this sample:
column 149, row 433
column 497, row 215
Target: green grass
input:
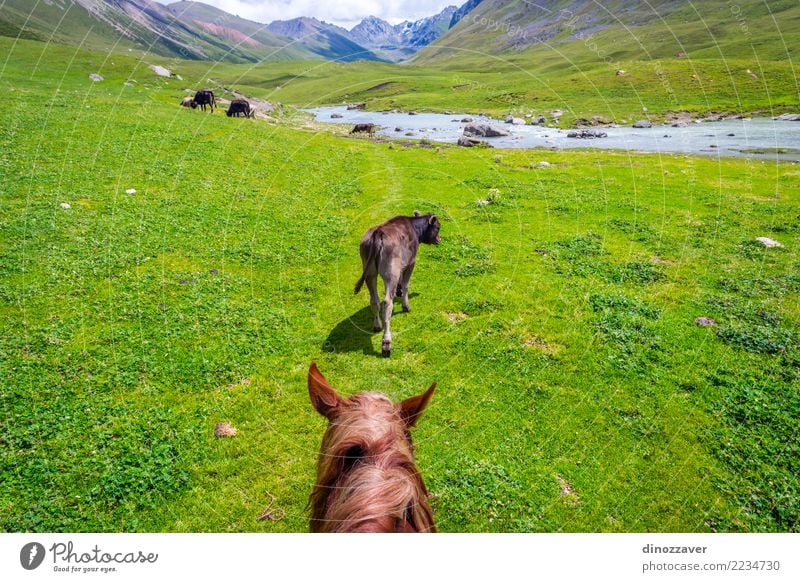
column 649, row 89
column 574, row 391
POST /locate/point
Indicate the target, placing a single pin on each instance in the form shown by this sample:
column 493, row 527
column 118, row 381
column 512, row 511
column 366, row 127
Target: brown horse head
column 366, row 477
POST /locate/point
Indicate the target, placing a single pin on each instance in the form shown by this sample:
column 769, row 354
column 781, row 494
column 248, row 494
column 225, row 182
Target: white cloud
column 345, row 13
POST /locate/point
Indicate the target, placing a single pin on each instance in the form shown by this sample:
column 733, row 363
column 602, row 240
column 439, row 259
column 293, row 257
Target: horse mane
column 366, row 477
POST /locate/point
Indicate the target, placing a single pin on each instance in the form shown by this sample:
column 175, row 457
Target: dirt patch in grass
column 224, row 429
column 541, row 344
column 567, row 491
column 454, row 316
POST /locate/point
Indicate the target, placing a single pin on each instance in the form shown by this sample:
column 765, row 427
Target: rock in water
column 484, row 130
column 469, row 142
column 587, row 134
column 643, row 124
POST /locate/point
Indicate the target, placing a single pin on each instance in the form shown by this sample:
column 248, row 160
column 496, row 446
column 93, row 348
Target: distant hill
column 143, row 25
column 329, row 41
column 248, row 35
column 194, row 30
column 483, row 30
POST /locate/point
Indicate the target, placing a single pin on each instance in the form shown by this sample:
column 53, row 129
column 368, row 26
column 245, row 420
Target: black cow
column 391, row 251
column 364, row 128
column 240, row 107
column 204, row 97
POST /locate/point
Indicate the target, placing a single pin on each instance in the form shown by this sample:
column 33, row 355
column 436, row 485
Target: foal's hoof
column 377, row 328
column 386, row 353
column 406, row 309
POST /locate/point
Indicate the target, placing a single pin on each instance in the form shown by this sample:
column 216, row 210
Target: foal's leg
column 388, row 305
column 374, row 301
column 405, row 281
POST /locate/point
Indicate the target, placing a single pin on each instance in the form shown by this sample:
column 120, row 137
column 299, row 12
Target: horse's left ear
column 411, row 408
column 323, row 397
column 431, row 219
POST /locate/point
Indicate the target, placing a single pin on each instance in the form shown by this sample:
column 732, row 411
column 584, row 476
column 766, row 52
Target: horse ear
column 431, row 219
column 417, row 213
column 411, row 408
column 323, row 397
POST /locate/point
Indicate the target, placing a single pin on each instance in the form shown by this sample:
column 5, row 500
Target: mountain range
column 478, row 34
column 194, row 30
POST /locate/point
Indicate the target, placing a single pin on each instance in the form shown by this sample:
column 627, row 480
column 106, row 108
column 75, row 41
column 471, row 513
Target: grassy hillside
column 575, row 392
column 523, row 32
column 648, row 89
column 251, row 35
column 154, row 32
column 61, row 22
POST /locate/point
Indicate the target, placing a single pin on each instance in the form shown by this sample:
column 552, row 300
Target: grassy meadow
column 648, row 90
column 575, row 392
column 700, row 58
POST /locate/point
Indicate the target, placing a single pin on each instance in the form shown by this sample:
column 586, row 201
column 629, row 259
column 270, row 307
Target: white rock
column 95, row 77
column 543, row 165
column 768, row 242
column 65, row 206
column 130, row 191
column 160, row 71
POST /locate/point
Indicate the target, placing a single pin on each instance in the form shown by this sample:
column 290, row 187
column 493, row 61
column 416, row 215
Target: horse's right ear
column 323, row 397
column 417, row 213
column 411, row 408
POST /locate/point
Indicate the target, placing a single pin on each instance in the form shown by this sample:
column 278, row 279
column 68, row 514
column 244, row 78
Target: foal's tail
column 375, row 244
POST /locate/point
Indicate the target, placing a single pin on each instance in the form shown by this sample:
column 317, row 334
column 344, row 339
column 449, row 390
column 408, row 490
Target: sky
column 346, row 13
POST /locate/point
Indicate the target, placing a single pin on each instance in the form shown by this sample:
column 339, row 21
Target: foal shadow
column 354, row 333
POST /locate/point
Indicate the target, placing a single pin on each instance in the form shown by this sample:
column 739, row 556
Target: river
column 757, row 138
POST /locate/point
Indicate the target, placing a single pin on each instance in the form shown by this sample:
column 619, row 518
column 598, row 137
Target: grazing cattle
column 366, row 477
column 391, row 251
column 188, row 102
column 204, row 97
column 240, row 107
column 364, row 128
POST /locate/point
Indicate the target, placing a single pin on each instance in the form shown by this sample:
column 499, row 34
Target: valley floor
column 164, row 270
